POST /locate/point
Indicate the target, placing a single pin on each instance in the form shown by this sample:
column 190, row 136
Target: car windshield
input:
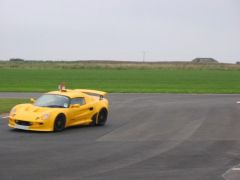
column 53, row 101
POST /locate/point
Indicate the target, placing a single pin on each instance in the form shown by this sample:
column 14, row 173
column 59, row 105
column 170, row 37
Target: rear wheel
column 59, row 124
column 102, row 117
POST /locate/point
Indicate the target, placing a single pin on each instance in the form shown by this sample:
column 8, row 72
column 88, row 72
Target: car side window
column 79, row 100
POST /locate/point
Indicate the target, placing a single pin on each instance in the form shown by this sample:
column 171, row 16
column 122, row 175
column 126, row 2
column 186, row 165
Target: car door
column 80, row 114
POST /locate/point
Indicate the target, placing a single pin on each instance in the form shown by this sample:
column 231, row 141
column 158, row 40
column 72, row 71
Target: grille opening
column 23, row 123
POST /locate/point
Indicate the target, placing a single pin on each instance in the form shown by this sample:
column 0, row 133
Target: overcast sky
column 120, row 29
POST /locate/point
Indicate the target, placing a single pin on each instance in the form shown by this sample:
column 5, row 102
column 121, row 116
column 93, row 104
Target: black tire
column 59, row 124
column 94, row 120
column 102, row 117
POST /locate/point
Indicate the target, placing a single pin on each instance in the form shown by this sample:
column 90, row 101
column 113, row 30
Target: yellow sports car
column 56, row 110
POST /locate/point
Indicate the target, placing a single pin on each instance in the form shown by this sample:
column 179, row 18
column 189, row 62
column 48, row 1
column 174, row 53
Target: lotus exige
column 56, row 110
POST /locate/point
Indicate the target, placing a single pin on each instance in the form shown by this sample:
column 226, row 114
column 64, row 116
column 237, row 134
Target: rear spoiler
column 94, row 92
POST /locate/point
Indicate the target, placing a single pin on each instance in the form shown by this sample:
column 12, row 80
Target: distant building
column 204, row 60
column 238, row 62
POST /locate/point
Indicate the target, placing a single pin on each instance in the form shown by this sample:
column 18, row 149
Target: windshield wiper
column 57, row 106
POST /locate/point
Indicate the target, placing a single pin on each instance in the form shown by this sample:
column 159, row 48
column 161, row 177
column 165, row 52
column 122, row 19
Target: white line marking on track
column 4, row 117
column 230, row 171
column 236, row 169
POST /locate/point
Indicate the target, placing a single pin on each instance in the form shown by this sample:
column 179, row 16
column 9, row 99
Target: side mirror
column 32, row 100
column 75, row 106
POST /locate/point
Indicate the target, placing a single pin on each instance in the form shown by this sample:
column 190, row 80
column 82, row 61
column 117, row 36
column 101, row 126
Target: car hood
column 30, row 112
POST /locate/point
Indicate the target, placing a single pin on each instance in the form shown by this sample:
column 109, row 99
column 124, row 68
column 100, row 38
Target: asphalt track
column 147, row 137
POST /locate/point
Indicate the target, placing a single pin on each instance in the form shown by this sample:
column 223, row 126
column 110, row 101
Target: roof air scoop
column 61, row 87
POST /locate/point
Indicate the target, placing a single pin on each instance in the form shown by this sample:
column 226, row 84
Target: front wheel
column 102, row 117
column 59, row 124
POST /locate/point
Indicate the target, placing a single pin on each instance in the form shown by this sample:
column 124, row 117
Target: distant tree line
column 16, row 59
column 204, row 60
column 196, row 60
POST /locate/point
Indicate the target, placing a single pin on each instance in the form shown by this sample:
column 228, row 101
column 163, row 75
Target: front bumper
column 30, row 125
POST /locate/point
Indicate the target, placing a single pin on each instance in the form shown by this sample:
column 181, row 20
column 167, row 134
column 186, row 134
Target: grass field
column 126, row 80
column 7, row 104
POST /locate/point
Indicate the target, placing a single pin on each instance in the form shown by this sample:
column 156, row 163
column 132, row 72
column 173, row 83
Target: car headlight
column 13, row 112
column 45, row 116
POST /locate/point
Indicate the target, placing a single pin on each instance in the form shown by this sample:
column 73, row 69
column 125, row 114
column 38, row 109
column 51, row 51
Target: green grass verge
column 128, row 80
column 7, row 104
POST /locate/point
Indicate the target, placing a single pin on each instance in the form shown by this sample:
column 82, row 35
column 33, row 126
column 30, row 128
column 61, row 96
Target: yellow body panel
column 33, row 115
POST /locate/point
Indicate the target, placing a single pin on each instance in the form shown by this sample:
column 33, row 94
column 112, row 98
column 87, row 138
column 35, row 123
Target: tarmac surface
column 147, row 137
